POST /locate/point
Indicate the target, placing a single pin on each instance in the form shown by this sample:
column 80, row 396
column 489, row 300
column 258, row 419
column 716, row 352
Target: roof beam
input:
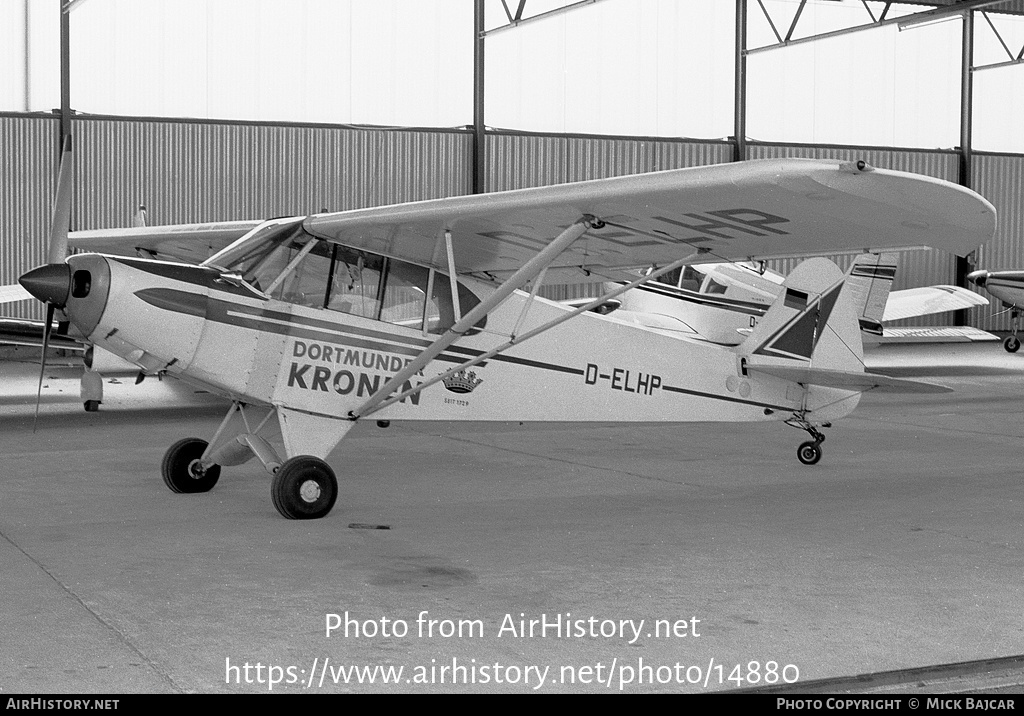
column 518, row 20
column 934, row 14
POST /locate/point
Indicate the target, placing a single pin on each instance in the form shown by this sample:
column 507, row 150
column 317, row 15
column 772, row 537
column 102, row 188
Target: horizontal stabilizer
column 936, row 334
column 847, row 380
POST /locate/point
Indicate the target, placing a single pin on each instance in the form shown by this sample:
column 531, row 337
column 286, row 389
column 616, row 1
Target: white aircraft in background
column 721, row 303
column 417, row 311
column 1008, row 287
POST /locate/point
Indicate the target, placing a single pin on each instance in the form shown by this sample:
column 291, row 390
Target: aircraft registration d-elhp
column 429, row 310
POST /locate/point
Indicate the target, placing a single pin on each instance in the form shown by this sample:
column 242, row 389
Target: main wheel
column 182, row 471
column 808, row 453
column 1011, row 344
column 304, row 488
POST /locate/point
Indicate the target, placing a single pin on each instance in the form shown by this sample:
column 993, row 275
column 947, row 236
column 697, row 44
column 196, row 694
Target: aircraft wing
column 184, row 242
column 745, row 210
column 22, row 332
column 912, row 302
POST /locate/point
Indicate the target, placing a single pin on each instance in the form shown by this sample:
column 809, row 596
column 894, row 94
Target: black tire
column 304, row 488
column 808, row 453
column 92, row 406
column 180, row 464
column 1011, row 344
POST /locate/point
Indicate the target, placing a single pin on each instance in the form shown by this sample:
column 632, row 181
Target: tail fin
column 812, row 323
column 810, row 336
column 869, row 282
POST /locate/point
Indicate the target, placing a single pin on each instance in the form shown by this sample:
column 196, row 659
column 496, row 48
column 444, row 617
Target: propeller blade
column 42, row 361
column 61, row 216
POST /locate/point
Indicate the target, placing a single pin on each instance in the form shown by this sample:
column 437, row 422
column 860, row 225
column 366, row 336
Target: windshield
column 249, row 253
column 284, row 262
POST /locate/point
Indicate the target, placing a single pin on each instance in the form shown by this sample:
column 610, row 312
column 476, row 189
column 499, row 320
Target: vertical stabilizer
column 812, row 323
column 869, row 283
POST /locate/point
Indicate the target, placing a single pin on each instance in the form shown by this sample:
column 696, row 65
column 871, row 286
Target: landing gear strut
column 303, row 487
column 809, row 453
column 1011, row 343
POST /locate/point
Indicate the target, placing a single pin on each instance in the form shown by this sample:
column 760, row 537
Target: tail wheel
column 1011, row 344
column 304, row 488
column 182, row 471
column 808, row 453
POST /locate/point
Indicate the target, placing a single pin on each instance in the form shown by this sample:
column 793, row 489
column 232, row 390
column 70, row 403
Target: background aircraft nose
column 50, row 283
column 978, row 278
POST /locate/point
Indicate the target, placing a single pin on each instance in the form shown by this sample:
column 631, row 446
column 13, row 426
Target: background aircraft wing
column 745, row 210
column 912, row 302
column 185, row 242
column 14, row 292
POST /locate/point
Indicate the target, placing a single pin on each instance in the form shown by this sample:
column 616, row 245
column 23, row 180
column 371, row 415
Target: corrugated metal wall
column 211, row 171
column 186, row 171
column 1000, row 179
column 28, row 175
column 518, row 160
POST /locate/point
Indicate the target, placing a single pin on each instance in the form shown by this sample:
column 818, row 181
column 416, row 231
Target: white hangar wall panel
column 28, row 179
column 916, row 268
column 1000, row 179
column 193, row 171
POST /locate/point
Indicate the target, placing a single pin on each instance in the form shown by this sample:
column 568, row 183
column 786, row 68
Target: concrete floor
column 902, row 548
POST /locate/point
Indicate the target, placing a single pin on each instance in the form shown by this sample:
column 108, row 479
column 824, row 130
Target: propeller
column 51, row 283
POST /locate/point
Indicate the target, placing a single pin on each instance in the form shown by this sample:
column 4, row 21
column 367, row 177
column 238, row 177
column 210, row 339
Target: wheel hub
column 196, row 470
column 310, row 491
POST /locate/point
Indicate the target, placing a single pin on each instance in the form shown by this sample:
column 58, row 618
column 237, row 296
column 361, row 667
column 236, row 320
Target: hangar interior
column 193, row 170
column 902, row 552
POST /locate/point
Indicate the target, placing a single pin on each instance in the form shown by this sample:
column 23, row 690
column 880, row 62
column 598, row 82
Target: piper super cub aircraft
column 414, row 311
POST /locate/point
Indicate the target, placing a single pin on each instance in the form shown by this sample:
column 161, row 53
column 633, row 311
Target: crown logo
column 462, row 382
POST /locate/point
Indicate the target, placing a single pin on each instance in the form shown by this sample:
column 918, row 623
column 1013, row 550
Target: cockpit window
column 356, row 283
column 281, row 260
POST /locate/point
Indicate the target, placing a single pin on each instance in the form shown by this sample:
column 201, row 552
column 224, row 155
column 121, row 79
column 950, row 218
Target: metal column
column 963, row 264
column 479, row 135
column 740, row 87
column 65, row 73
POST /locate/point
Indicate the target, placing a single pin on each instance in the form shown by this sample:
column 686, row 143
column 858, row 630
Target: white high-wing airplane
column 1008, row 287
column 415, row 311
column 721, row 303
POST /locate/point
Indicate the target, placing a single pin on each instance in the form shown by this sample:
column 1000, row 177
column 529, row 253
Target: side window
column 690, row 279
column 441, row 309
column 394, row 291
column 671, row 278
column 713, row 286
column 356, row 283
column 306, row 283
column 404, row 294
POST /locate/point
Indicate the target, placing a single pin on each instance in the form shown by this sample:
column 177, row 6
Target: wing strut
column 517, row 280
column 452, row 276
column 516, row 340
